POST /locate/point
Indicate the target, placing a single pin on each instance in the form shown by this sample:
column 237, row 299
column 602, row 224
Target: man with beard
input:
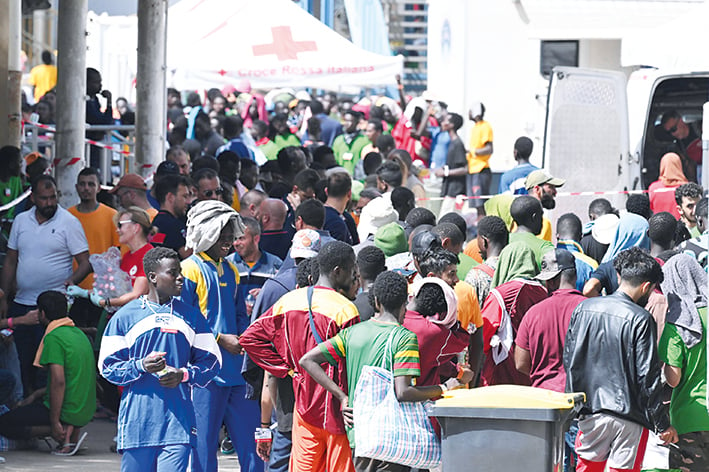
column 310, row 315
column 624, row 392
column 43, row 243
column 542, row 186
column 211, row 284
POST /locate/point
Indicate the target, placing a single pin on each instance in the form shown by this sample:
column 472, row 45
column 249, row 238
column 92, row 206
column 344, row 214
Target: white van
column 603, row 132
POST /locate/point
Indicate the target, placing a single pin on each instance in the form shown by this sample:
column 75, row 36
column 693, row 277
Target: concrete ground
column 96, row 456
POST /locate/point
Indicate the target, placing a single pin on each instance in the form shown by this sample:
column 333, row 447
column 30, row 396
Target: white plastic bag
column 109, row 280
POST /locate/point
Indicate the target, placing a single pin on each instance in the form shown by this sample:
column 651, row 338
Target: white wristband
column 446, row 171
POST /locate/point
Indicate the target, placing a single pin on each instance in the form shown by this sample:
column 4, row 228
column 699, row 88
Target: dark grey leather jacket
column 610, row 353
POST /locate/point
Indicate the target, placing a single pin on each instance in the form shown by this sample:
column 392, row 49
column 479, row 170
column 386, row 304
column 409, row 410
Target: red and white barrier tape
column 89, row 141
column 559, row 194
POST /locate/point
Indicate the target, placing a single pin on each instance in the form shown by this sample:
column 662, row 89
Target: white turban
column 205, row 222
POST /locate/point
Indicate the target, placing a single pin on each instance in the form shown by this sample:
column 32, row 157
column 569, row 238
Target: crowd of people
column 284, row 244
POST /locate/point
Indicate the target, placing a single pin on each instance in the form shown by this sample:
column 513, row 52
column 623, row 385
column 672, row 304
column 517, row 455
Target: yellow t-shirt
column 468, row 305
column 546, row 229
column 544, row 234
column 100, row 233
column 480, row 135
column 44, row 79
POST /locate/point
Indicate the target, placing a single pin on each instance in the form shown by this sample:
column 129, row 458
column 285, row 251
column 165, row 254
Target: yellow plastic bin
column 504, row 428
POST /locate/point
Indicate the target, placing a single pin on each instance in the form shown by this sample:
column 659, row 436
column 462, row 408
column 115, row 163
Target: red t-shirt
column 542, row 333
column 662, row 198
column 132, row 263
column 518, row 297
column 438, row 347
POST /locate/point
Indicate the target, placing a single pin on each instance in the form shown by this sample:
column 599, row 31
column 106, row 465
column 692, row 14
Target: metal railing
column 116, row 151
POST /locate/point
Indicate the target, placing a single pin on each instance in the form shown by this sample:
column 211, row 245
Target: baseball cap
column 167, row 168
column 129, row 181
column 553, row 262
column 306, row 244
column 541, row 177
column 422, row 242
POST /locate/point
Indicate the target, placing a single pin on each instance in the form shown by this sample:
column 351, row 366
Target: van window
column 557, row 53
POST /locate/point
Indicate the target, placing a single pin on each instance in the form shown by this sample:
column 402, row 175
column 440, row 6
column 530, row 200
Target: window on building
column 558, row 53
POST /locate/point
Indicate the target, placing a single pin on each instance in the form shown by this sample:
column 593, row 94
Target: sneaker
column 227, row 447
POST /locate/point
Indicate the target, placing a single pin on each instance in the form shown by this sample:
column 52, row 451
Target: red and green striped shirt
column 365, row 344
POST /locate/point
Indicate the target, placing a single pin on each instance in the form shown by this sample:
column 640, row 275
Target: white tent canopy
column 272, row 43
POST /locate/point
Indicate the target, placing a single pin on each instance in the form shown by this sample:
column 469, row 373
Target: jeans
column 280, row 451
column 569, row 442
column 27, row 340
column 11, row 363
column 7, row 386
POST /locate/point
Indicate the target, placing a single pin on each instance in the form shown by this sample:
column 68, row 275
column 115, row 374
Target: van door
column 586, row 138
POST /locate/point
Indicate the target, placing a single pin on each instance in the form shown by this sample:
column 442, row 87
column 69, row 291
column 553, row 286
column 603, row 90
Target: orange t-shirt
column 100, row 233
column 468, row 306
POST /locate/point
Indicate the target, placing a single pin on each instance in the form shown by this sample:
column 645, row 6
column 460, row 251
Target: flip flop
column 74, row 448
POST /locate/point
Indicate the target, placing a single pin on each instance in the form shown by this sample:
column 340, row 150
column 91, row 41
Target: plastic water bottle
column 250, row 301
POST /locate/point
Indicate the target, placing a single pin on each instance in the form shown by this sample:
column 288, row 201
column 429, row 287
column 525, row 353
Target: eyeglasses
column 209, row 193
column 673, row 130
column 121, row 223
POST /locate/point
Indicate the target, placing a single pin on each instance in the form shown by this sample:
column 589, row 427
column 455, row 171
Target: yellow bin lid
column 510, row 396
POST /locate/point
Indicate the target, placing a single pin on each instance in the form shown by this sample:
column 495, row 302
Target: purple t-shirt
column 542, row 333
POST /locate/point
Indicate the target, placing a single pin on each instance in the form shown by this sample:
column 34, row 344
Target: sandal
column 69, row 449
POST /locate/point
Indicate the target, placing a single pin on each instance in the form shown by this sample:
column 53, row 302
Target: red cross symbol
column 221, row 72
column 283, row 45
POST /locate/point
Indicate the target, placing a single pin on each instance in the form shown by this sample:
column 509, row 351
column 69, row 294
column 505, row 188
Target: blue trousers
column 27, row 340
column 172, row 458
column 280, row 452
column 214, row 405
column 10, row 362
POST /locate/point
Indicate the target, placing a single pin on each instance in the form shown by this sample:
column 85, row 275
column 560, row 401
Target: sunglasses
column 209, row 193
column 121, row 223
column 672, row 130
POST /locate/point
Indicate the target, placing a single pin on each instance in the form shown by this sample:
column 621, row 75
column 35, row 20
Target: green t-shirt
column 68, row 346
column 287, row 140
column 365, row 344
column 348, row 155
column 538, row 245
column 270, row 150
column 694, row 232
column 466, row 263
column 688, row 408
column 9, row 191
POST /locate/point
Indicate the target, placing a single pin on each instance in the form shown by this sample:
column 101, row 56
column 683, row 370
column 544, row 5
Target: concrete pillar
column 150, row 118
column 10, row 72
column 40, row 41
column 71, row 97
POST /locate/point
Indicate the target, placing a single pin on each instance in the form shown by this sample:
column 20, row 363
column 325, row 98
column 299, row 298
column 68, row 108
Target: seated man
column 69, row 400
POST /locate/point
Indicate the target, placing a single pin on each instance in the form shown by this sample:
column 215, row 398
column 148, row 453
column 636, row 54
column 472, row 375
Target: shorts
column 608, row 439
column 692, row 453
column 477, row 185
